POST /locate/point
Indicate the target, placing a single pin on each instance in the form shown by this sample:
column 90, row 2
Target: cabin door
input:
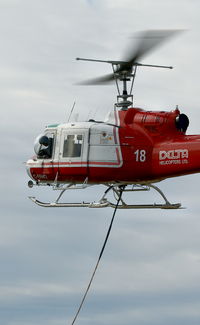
column 73, row 153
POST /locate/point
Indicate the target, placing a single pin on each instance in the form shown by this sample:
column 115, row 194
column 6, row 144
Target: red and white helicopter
column 131, row 150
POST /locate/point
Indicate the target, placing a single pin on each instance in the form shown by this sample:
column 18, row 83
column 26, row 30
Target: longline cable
column 100, row 255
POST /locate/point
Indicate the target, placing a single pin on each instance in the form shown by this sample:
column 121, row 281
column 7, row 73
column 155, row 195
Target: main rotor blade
column 147, row 41
column 98, row 81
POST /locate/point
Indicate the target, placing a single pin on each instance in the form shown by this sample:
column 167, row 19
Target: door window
column 72, row 146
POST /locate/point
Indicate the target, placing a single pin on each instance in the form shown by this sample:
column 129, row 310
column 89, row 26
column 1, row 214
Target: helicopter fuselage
column 131, row 146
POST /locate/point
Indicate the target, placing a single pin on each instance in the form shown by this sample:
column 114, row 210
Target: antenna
column 71, row 111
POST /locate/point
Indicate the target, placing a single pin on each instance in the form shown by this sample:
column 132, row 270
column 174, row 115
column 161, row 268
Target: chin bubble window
column 43, row 146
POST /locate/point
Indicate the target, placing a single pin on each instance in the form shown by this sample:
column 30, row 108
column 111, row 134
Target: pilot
column 45, row 150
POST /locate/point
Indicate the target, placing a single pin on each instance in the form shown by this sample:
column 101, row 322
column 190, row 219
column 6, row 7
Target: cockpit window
column 43, row 145
column 72, row 145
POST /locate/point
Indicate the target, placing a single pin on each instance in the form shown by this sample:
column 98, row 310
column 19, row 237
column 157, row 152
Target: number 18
column 140, row 155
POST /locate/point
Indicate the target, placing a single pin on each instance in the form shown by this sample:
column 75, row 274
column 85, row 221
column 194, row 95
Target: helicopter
column 131, row 150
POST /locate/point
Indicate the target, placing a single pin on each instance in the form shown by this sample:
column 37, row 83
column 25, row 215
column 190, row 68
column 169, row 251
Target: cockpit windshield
column 43, row 145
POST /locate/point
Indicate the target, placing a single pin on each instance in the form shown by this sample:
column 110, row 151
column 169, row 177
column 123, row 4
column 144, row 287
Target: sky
column 150, row 272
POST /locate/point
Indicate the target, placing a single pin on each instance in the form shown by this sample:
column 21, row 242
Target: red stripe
column 114, row 128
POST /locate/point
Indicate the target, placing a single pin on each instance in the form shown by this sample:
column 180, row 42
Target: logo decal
column 175, row 157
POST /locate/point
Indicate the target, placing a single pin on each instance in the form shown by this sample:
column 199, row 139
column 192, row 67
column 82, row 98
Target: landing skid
column 104, row 202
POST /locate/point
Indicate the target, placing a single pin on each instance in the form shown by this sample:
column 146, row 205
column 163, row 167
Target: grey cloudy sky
column 150, row 272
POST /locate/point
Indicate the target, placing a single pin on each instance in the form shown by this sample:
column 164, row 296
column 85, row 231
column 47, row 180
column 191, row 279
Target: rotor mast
column 125, row 97
column 125, row 72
